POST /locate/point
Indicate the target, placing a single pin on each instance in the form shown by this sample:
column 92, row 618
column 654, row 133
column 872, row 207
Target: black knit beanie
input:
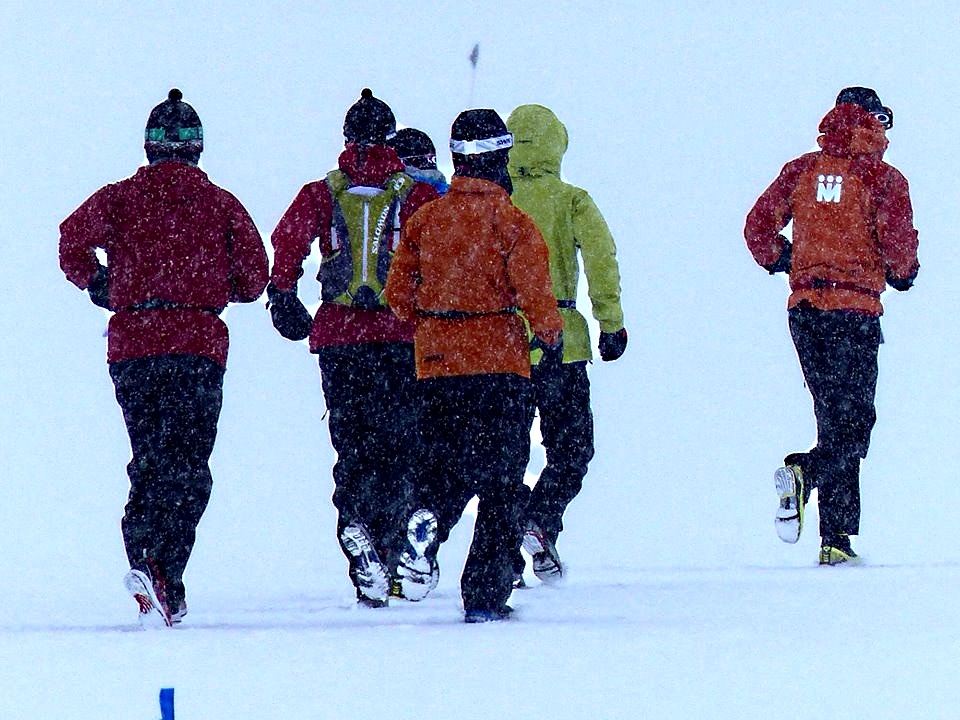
column 173, row 131
column 369, row 121
column 480, row 144
column 416, row 146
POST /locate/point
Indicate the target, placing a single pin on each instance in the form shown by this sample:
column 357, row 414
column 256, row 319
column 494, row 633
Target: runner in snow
column 365, row 352
column 467, row 264
column 178, row 249
column 570, row 223
column 852, row 235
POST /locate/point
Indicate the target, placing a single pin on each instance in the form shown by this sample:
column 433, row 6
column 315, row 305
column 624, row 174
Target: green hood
column 571, row 224
column 539, row 141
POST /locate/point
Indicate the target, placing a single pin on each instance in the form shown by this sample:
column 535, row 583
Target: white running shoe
column 789, row 518
column 369, row 574
column 417, row 569
column 140, row 585
column 177, row 617
column 546, row 561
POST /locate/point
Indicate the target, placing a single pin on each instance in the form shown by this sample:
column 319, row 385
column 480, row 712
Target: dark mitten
column 783, row 262
column 552, row 354
column 288, row 314
column 613, row 344
column 901, row 284
column 99, row 288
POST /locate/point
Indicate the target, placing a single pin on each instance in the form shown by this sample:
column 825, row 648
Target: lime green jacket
column 569, row 221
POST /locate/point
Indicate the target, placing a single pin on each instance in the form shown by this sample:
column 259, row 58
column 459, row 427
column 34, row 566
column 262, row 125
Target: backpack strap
column 337, row 182
column 402, row 184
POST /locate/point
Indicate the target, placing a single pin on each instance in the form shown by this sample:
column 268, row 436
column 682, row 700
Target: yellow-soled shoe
column 837, row 551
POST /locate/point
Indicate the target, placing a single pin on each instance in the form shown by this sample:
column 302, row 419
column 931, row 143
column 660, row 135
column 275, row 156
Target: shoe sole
column 789, row 517
column 546, row 564
column 419, row 576
column 141, row 588
column 372, row 581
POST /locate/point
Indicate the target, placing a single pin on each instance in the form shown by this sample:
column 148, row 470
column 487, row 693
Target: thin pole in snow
column 474, row 57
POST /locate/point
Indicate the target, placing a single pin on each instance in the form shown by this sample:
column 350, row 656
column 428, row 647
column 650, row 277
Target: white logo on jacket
column 829, row 188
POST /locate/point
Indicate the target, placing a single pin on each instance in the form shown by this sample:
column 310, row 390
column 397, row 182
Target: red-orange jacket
column 852, row 218
column 466, row 264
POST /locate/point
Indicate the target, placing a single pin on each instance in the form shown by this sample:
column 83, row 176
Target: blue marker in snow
column 166, row 703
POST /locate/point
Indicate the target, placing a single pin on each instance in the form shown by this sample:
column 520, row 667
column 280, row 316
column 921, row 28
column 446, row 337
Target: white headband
column 475, row 147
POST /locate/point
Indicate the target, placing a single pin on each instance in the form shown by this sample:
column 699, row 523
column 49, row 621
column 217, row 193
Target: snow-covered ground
column 680, row 602
column 618, row 640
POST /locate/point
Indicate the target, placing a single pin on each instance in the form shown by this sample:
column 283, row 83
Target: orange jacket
column 466, row 264
column 852, row 218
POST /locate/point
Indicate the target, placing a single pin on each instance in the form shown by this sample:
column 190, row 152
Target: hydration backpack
column 363, row 238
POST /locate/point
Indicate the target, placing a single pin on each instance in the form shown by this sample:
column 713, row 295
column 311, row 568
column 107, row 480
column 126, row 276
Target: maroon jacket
column 310, row 216
column 178, row 248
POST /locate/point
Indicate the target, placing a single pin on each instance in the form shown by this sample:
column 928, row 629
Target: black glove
column 901, row 284
column 99, row 288
column 612, row 344
column 783, row 262
column 288, row 314
column 552, row 354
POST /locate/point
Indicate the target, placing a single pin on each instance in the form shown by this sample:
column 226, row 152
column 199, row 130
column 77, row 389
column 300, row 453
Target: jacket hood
column 369, row 165
column 849, row 130
column 539, row 141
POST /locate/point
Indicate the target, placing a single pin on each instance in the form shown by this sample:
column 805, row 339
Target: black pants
column 369, row 391
column 171, row 405
column 562, row 396
column 838, row 354
column 475, row 440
